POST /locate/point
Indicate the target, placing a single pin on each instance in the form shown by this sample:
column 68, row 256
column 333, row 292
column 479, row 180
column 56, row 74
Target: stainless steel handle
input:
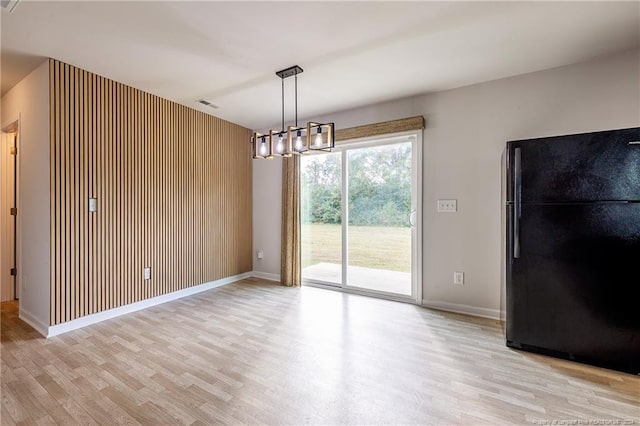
column 412, row 218
column 517, row 189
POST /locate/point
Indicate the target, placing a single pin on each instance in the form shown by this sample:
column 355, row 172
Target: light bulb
column 318, row 141
column 299, row 142
column 280, row 145
column 263, row 148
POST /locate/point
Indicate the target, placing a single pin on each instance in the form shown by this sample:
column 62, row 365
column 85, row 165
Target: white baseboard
column 266, row 276
column 462, row 309
column 143, row 304
column 38, row 325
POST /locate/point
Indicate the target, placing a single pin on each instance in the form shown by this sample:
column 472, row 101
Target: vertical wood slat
column 78, row 206
column 59, row 188
column 101, row 236
column 109, row 206
column 93, row 276
column 85, row 190
column 173, row 188
column 53, row 114
column 66, row 168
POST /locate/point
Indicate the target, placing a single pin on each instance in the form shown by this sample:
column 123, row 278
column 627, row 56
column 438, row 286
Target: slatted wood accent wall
column 173, row 189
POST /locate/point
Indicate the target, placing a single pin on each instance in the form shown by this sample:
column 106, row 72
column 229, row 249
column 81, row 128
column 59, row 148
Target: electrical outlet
column 260, row 254
column 147, row 272
column 447, row 206
column 458, row 278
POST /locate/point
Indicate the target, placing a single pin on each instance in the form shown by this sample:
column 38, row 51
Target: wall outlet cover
column 447, row 206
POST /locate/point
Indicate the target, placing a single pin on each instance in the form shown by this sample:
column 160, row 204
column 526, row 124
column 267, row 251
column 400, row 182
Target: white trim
column 30, row 319
column 266, row 276
column 19, row 204
column 462, row 309
column 143, row 304
column 418, row 165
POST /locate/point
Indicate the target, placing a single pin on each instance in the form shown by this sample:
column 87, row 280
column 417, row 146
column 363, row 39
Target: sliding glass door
column 359, row 218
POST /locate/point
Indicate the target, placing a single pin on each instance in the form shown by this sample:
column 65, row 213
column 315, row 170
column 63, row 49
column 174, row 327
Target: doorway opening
column 9, row 288
column 361, row 217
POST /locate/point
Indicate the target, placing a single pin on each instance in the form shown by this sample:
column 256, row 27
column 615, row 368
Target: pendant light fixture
column 296, row 139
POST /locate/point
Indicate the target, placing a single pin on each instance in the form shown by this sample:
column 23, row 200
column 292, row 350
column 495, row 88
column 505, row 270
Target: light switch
column 458, row 278
column 447, row 206
column 147, row 273
column 93, row 204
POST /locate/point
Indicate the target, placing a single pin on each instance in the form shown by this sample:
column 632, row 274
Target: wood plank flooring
column 257, row 353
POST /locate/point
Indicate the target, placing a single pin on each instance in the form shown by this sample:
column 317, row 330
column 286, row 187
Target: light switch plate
column 93, row 204
column 147, row 273
column 458, row 278
column 447, row 206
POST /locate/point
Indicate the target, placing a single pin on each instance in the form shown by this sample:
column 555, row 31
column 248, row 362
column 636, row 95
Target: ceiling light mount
column 296, row 139
column 289, row 72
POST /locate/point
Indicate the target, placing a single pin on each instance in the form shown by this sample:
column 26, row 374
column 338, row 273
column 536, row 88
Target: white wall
column 29, row 101
column 267, row 205
column 464, row 137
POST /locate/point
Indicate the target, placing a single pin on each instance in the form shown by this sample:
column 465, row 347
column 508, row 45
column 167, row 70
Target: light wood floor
column 257, row 353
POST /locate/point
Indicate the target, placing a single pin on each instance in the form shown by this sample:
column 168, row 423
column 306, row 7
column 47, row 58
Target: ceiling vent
column 9, row 5
column 207, row 103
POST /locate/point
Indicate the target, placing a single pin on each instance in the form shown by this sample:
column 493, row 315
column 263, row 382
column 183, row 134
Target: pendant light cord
column 282, row 130
column 296, row 84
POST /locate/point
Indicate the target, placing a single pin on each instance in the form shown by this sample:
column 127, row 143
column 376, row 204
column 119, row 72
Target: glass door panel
column 321, row 211
column 379, row 231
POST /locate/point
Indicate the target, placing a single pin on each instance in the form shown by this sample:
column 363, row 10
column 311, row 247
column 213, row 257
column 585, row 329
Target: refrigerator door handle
column 517, row 184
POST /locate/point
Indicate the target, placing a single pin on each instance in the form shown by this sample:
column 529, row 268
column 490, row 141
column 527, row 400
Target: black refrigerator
column 572, row 267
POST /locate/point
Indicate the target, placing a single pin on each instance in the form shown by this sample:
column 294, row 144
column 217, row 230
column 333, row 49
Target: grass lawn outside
column 377, row 247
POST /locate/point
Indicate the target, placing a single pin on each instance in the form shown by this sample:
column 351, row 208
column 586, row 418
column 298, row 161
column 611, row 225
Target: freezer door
column 585, row 167
column 574, row 290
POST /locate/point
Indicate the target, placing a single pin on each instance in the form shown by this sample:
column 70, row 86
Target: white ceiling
column 353, row 53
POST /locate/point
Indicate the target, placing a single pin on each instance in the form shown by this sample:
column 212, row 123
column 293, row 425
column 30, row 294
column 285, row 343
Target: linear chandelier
column 296, row 139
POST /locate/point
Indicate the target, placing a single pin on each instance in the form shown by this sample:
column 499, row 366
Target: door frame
column 416, row 240
column 13, row 125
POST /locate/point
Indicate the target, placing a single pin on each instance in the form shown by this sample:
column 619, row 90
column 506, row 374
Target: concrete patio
column 366, row 278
